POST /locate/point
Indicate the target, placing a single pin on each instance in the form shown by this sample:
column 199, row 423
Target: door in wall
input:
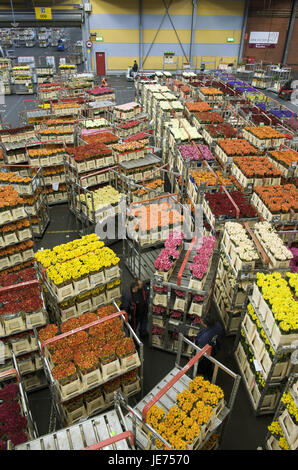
column 100, row 63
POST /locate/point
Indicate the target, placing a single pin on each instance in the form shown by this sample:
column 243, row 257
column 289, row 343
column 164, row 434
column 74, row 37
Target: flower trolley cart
column 19, row 426
column 177, row 399
column 181, row 289
column 85, row 384
column 107, row 431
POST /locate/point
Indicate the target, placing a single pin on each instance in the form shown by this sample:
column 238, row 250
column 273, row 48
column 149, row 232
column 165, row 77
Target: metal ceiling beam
column 29, row 17
column 141, row 34
column 167, row 12
column 290, row 31
column 193, row 28
column 159, row 28
column 244, row 23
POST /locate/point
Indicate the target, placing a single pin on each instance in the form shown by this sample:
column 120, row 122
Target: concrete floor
column 244, row 431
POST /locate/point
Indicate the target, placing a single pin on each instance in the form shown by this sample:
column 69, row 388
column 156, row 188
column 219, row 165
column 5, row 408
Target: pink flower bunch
column 198, row 298
column 174, row 239
column 158, row 309
column 205, row 152
column 190, row 152
column 165, row 259
column 157, row 331
column 160, row 290
column 200, row 263
column 180, row 293
column 175, row 314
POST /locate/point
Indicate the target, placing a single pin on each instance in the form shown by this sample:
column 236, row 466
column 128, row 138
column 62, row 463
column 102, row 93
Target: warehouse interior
column 211, row 74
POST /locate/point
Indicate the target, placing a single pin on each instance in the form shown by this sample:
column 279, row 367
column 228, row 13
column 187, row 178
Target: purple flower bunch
column 166, row 257
column 200, row 263
column 10, row 392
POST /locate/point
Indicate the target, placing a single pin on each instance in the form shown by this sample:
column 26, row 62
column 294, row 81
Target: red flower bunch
column 221, row 130
column 221, row 205
column 106, row 310
column 70, row 324
column 209, row 116
column 10, row 392
column 76, row 339
column 85, row 152
column 128, row 125
column 47, row 332
column 129, row 377
column 86, row 361
column 87, row 318
column 64, row 370
column 62, row 355
column 101, row 138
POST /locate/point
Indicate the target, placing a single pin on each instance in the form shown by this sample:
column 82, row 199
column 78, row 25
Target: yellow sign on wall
column 42, row 13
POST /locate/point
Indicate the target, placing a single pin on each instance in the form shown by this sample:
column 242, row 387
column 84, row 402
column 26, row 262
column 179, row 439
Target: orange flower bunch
column 9, row 198
column 65, row 105
column 185, row 89
column 13, row 178
column 54, row 130
column 15, row 226
column 178, row 83
column 45, row 152
column 237, row 147
column 198, row 106
column 211, row 91
column 54, row 122
column 50, row 190
column 153, row 216
column 257, row 166
column 53, row 170
column 265, row 132
column 285, row 156
column 15, row 269
column 152, row 185
column 279, row 198
column 205, row 176
column 20, row 247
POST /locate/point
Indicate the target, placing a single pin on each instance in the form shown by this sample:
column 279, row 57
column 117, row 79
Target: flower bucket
column 26, row 365
column 63, row 292
column 113, row 294
column 96, row 404
column 90, row 379
column 131, row 389
column 112, row 273
column 84, row 306
column 129, row 362
column 24, row 234
column 10, row 238
column 69, row 313
column 99, row 299
column 15, row 259
column 69, row 387
column 6, row 216
column 110, row 369
column 81, row 285
column 290, row 429
column 97, row 278
column 28, row 254
column 35, row 319
column 13, row 323
column 21, row 345
column 75, row 415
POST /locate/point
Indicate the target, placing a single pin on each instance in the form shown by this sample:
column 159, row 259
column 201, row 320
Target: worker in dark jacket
column 135, row 67
column 135, row 303
column 211, row 334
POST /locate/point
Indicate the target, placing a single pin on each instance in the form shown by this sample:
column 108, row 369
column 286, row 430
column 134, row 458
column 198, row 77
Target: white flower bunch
column 169, row 96
column 244, row 247
column 271, row 241
column 165, row 105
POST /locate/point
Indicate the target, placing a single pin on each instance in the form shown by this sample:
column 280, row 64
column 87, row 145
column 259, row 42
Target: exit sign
column 99, row 38
column 230, row 39
column 42, row 13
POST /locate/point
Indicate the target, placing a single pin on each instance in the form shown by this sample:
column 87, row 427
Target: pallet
column 81, row 435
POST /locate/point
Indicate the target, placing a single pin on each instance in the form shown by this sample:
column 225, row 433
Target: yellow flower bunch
column 277, row 292
column 69, row 250
column 112, row 284
column 283, row 444
column 288, row 400
column 275, row 428
column 293, row 281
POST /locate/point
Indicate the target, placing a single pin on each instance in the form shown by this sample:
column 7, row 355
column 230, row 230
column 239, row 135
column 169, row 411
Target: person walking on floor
column 211, row 333
column 103, row 82
column 135, row 67
column 135, row 303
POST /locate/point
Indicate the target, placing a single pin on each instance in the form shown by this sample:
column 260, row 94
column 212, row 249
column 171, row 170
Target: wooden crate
column 95, row 405
column 131, row 389
column 130, row 362
column 110, row 370
column 98, row 300
column 21, row 345
column 84, row 307
column 290, row 429
column 74, row 416
column 249, row 375
column 35, row 319
column 280, row 339
column 259, row 346
column 240, row 355
column 249, row 328
column 70, row 390
column 69, row 313
column 91, row 379
column 272, row 443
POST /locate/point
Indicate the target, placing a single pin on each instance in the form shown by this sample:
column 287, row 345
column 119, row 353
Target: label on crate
column 55, row 186
column 257, row 366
